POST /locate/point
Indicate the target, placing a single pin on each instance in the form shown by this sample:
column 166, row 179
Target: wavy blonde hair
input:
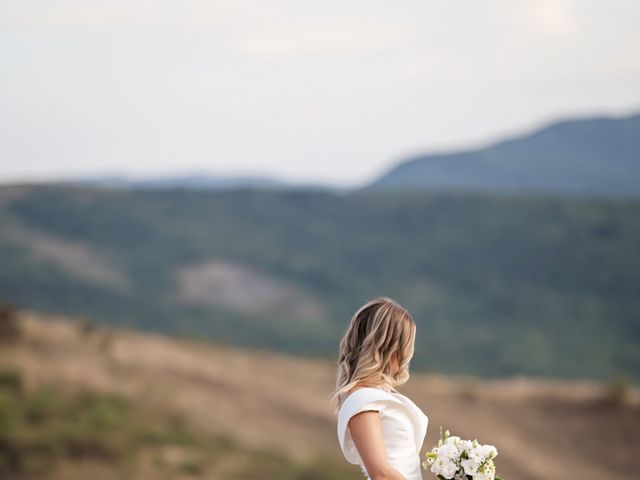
column 378, row 329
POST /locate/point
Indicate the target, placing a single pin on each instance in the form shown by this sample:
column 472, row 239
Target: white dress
column 404, row 427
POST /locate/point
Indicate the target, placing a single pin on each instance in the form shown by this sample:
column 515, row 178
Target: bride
column 379, row 429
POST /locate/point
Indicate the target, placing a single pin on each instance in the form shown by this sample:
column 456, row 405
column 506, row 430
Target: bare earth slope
column 543, row 429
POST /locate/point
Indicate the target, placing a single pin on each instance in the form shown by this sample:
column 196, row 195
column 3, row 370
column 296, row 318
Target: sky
column 328, row 92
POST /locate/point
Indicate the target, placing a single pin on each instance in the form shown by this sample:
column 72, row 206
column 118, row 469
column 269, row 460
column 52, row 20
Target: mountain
column 194, row 180
column 176, row 408
column 592, row 156
column 499, row 285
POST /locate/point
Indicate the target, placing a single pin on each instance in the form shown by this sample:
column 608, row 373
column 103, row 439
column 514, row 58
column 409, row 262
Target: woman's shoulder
column 357, row 389
column 361, row 395
column 362, row 399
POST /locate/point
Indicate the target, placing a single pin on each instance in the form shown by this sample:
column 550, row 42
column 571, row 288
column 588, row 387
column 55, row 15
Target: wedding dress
column 404, row 426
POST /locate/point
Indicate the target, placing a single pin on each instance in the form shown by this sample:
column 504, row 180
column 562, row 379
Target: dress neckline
column 393, row 391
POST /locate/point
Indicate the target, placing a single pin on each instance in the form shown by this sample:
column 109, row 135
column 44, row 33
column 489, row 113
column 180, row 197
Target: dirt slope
column 543, row 429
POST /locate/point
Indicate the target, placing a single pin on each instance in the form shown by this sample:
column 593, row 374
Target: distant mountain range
column 591, row 156
column 194, row 180
column 596, row 156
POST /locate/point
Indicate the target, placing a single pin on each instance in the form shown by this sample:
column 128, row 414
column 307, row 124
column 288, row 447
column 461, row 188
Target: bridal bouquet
column 454, row 458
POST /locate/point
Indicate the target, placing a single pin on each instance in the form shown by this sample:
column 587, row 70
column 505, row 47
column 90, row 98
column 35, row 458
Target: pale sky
column 332, row 92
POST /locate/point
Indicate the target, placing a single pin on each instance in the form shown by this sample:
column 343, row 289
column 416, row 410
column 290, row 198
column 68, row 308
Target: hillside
column 589, row 156
column 499, row 285
column 257, row 399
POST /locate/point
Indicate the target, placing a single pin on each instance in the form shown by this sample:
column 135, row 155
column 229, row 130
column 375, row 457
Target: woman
column 379, row 428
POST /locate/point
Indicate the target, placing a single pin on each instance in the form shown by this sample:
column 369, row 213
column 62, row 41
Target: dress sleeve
column 361, row 400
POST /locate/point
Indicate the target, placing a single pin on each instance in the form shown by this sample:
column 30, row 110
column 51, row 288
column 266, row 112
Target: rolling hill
column 499, row 285
column 253, row 414
column 590, row 156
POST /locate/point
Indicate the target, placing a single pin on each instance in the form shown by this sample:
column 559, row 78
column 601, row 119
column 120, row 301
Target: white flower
column 449, row 451
column 450, row 470
column 470, row 465
column 454, row 439
column 486, row 471
column 475, row 454
column 454, row 458
column 465, row 445
column 488, row 451
column 445, row 467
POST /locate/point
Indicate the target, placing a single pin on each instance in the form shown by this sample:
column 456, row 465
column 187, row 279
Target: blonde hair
column 378, row 329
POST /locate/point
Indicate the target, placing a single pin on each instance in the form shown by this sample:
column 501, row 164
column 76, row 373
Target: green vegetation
column 273, row 464
column 42, row 430
column 618, row 390
column 498, row 284
column 9, row 325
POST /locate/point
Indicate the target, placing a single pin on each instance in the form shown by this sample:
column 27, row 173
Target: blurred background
column 196, row 196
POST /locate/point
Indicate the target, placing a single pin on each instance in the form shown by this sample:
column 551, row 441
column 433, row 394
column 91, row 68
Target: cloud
column 329, row 36
column 88, row 13
column 263, row 29
column 555, row 18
